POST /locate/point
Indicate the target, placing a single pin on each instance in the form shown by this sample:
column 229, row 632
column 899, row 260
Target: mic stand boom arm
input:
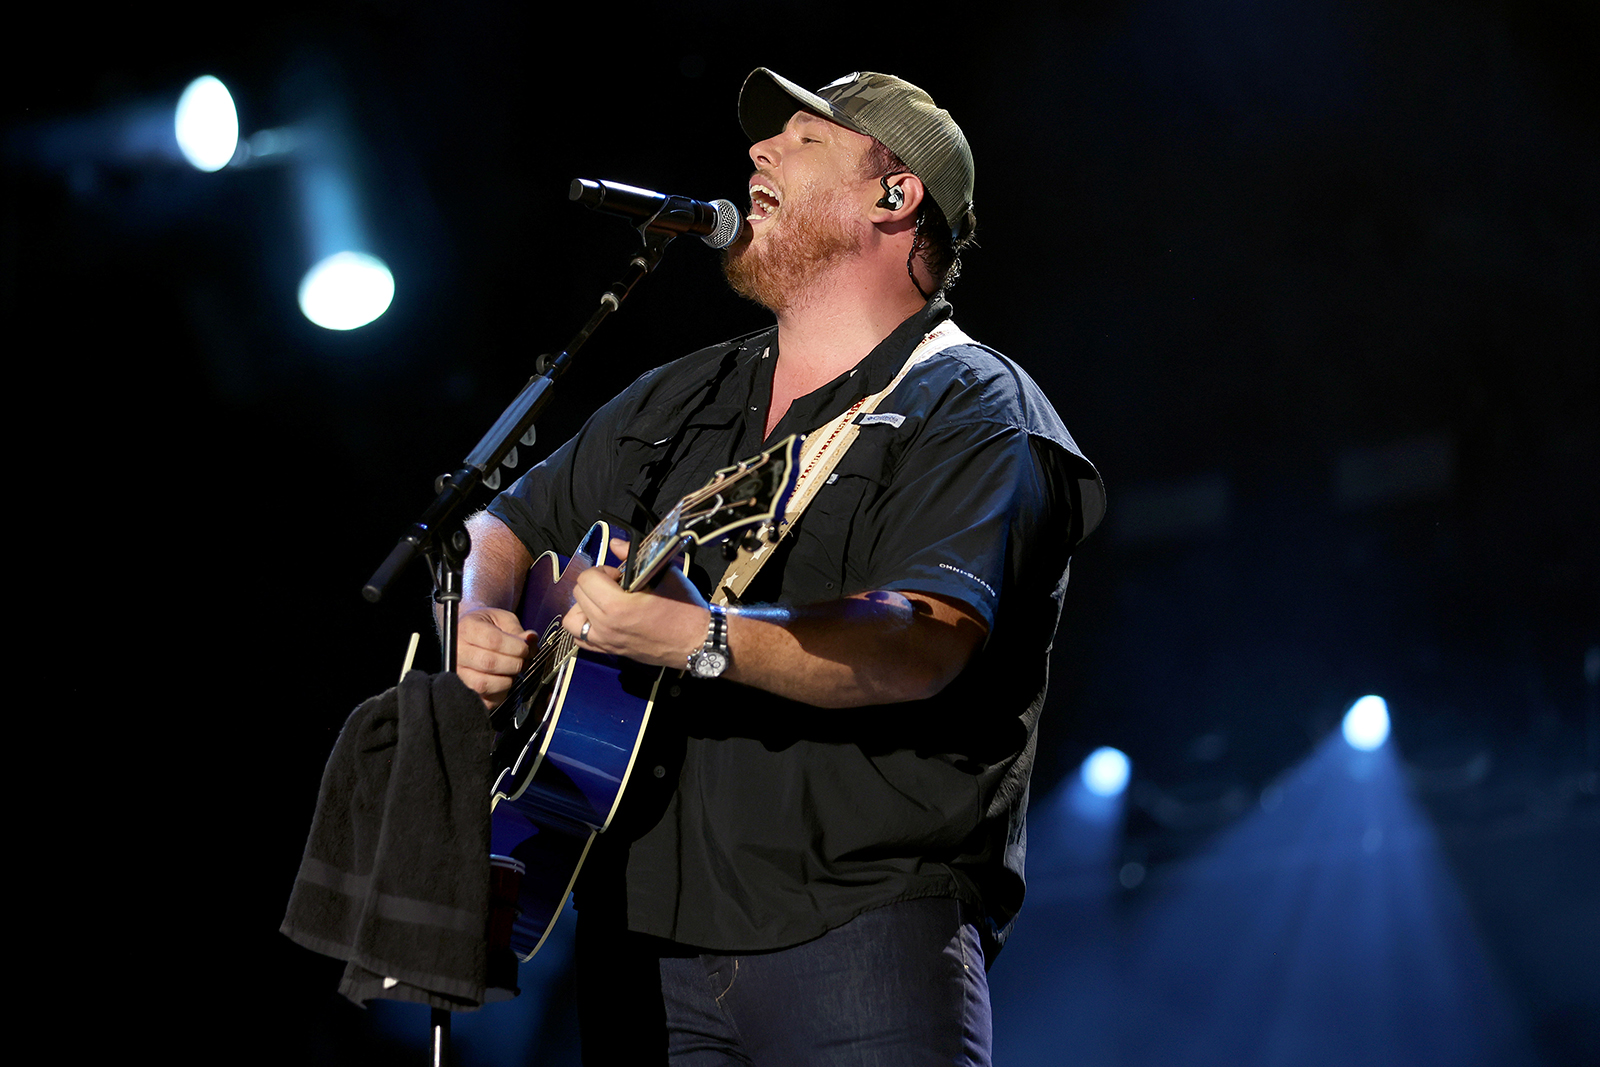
column 440, row 533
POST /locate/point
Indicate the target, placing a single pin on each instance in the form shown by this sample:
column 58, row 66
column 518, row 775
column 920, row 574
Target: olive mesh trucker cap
column 894, row 111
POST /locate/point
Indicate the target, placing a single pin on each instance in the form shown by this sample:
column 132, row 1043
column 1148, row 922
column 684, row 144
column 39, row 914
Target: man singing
column 822, row 842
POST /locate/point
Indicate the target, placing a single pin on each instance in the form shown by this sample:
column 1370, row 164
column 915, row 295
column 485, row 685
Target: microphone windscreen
column 730, row 223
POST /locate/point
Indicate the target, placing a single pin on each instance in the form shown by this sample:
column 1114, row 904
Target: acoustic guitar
column 570, row 728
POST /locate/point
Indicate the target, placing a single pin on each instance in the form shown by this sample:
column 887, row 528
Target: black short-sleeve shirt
column 755, row 822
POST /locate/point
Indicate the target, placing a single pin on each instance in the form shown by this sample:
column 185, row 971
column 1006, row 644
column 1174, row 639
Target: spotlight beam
column 1366, row 724
column 206, row 124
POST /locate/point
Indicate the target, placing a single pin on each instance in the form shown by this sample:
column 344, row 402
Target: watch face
column 709, row 663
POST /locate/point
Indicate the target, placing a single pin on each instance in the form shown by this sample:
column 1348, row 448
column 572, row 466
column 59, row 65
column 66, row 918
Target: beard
column 810, row 233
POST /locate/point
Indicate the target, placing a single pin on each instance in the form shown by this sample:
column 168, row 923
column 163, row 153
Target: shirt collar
column 875, row 371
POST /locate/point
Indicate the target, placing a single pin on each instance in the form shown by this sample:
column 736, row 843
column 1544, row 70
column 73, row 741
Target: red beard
column 805, row 239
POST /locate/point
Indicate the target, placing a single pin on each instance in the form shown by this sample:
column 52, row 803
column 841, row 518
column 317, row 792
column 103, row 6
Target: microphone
column 718, row 223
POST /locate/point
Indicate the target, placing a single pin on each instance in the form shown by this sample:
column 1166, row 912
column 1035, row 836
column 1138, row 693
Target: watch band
column 712, row 658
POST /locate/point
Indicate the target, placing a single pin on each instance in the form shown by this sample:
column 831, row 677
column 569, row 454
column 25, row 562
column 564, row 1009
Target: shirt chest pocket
column 836, row 537
column 673, row 456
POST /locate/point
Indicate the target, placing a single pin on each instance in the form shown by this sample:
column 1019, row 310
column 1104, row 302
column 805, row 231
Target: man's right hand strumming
column 491, row 650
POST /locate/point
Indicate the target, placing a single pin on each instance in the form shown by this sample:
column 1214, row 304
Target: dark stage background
column 1313, row 283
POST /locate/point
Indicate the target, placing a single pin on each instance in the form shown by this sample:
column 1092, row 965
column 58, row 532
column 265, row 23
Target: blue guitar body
column 571, row 726
column 568, row 749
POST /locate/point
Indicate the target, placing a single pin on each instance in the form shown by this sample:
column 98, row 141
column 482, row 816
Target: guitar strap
column 823, row 450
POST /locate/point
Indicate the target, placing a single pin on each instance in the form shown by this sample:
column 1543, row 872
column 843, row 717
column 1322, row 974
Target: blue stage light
column 1366, row 724
column 346, row 290
column 206, row 123
column 1105, row 772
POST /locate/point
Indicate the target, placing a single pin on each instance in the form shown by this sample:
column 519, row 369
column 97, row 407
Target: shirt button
column 660, row 771
column 674, row 690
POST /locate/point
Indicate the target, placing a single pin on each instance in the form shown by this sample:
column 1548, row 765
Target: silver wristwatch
column 712, row 658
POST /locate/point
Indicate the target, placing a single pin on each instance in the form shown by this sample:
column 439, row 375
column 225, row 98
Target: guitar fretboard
column 659, row 545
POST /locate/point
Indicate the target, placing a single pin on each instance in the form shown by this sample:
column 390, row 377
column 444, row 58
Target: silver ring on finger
column 583, row 634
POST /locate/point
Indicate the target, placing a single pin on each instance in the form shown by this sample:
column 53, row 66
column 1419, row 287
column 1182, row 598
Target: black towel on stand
column 395, row 878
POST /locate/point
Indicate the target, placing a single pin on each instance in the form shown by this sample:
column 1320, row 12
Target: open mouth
column 763, row 202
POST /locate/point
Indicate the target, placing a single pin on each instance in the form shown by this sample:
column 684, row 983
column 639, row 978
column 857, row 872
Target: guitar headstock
column 746, row 495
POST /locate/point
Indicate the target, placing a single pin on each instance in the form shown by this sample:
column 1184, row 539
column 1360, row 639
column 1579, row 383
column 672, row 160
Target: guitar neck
column 658, row 548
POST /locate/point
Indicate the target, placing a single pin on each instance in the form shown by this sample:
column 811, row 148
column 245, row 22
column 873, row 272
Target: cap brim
column 768, row 101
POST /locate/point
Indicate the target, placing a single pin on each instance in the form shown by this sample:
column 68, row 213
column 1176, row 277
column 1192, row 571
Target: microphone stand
column 440, row 535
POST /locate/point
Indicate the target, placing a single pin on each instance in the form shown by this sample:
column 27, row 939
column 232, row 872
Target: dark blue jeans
column 898, row 986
